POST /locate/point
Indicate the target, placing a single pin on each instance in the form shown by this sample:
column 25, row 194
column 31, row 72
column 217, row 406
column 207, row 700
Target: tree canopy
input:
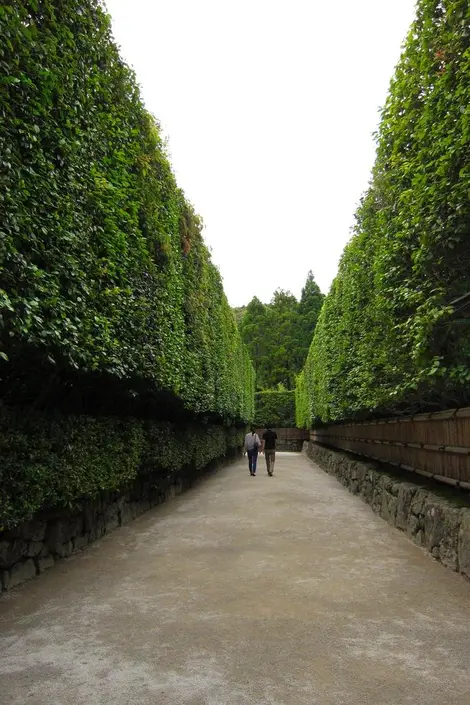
column 278, row 334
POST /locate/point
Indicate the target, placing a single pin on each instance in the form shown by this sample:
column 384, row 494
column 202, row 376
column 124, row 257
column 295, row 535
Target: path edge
column 33, row 547
column 434, row 518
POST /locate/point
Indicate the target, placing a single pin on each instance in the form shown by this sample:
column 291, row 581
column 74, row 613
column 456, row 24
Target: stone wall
column 435, row 517
column 31, row 548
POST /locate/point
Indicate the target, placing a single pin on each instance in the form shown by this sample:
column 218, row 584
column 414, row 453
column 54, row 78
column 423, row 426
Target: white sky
column 269, row 108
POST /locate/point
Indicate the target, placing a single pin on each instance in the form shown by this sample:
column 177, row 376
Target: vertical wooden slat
column 438, row 443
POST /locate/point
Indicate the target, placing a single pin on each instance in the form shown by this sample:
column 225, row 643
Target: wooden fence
column 435, row 444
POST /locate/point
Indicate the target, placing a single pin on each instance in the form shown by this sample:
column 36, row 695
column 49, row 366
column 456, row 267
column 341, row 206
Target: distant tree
column 278, row 334
column 253, row 327
column 238, row 313
column 282, row 339
column 310, row 305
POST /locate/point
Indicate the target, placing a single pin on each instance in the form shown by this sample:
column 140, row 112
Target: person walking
column 252, row 445
column 269, row 449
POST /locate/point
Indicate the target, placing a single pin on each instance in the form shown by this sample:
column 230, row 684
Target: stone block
column 21, row 572
column 434, row 524
column 80, row 542
column 4, row 579
column 388, row 509
column 406, row 492
column 419, row 500
column 44, row 563
column 412, row 525
column 354, row 487
column 464, row 543
column 34, row 530
column 62, row 550
column 111, row 517
column 98, row 528
column 11, row 552
column 34, row 548
column 61, row 532
column 385, row 483
column 128, row 512
column 351, row 471
column 368, row 490
column 155, row 497
column 90, row 512
column 376, row 502
column 361, row 472
column 121, row 503
column 449, row 544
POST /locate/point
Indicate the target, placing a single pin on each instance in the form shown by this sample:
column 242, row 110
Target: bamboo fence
column 435, row 444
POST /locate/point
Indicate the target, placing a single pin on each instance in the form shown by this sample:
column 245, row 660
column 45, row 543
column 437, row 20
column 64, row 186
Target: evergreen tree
column 253, row 328
column 310, row 305
column 278, row 334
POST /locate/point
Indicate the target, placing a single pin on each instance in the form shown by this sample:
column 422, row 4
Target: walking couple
column 253, row 444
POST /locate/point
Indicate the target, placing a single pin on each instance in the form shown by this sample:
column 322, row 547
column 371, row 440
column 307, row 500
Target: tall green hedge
column 386, row 340
column 275, row 408
column 103, row 269
column 52, row 460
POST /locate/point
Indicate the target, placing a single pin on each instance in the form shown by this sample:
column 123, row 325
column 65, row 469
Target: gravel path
column 243, row 591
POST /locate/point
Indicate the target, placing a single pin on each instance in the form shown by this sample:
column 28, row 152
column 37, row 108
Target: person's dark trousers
column 252, row 460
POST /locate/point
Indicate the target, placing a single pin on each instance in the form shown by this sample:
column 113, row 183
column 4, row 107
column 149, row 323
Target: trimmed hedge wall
column 103, row 270
column 386, row 340
column 50, row 460
column 275, row 408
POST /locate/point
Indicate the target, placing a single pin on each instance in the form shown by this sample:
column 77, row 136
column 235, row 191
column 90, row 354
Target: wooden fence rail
column 435, row 444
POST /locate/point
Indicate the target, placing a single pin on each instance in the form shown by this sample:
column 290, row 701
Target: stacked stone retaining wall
column 435, row 518
column 31, row 548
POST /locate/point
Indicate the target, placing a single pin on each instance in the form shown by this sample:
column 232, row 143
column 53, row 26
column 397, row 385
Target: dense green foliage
column 54, row 461
column 311, row 301
column 239, row 312
column 303, row 414
column 103, row 269
column 386, row 340
column 278, row 334
column 275, row 408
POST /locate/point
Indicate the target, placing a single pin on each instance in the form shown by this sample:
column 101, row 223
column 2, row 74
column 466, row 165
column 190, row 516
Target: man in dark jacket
column 269, row 449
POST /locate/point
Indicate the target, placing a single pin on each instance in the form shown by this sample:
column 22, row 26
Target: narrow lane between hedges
column 243, row 591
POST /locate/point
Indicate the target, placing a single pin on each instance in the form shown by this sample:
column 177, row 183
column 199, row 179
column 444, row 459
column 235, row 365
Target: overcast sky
column 269, row 108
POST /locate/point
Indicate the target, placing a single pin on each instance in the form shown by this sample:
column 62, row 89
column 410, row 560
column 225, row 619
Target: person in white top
column 252, row 444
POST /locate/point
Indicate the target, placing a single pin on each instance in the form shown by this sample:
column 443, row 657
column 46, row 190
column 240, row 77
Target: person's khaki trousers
column 270, row 456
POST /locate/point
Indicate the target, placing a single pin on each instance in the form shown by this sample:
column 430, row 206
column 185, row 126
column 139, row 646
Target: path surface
column 243, row 591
